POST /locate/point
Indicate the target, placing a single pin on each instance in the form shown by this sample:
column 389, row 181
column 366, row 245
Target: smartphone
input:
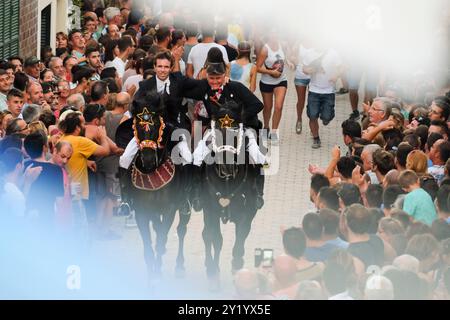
column 267, row 258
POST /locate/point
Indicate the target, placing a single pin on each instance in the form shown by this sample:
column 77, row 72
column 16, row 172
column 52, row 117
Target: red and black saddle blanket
column 155, row 180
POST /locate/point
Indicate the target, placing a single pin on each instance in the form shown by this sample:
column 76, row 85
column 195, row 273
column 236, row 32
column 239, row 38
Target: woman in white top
column 301, row 81
column 242, row 69
column 273, row 84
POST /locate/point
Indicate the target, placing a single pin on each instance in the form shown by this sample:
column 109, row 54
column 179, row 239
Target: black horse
column 229, row 190
column 153, row 185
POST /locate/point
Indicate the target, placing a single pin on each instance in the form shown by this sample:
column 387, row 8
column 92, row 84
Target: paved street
column 286, row 201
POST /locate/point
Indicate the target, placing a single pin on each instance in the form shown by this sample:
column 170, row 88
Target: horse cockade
column 226, row 122
column 145, row 120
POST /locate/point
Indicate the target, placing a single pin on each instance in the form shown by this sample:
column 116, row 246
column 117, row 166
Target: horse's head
column 148, row 126
column 228, row 140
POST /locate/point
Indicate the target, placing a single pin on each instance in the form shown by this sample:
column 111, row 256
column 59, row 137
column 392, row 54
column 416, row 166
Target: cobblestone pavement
column 286, row 201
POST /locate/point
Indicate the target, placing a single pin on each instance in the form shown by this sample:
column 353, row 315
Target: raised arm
column 103, row 149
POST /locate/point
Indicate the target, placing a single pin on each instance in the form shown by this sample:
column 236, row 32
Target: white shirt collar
column 161, row 84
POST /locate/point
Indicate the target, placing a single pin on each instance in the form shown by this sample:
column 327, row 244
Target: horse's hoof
column 236, row 265
column 124, row 209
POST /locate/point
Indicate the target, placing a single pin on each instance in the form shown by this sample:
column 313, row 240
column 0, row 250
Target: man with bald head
column 35, row 95
column 246, row 284
column 62, row 153
column 285, row 269
column 407, row 262
column 113, row 31
column 123, row 101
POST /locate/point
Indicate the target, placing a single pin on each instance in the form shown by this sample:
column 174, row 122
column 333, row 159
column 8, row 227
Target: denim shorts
column 301, row 82
column 321, row 106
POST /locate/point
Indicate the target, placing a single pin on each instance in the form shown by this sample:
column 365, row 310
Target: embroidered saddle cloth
column 155, row 180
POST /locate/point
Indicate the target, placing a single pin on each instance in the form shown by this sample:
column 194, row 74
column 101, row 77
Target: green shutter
column 45, row 26
column 9, row 28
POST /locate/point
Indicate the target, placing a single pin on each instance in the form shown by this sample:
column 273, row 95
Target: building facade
column 26, row 26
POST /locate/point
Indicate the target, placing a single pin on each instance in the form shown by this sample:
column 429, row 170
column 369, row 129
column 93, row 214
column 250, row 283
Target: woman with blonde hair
column 417, row 161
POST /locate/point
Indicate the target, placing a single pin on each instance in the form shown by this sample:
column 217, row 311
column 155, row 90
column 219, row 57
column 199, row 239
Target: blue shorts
column 321, row 106
column 301, row 82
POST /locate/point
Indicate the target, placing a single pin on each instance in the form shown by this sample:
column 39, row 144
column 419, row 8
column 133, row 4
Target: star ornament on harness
column 145, row 118
column 226, row 122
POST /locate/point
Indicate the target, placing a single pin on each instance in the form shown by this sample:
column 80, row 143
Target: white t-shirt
column 118, row 64
column 13, row 201
column 302, row 54
column 3, row 104
column 128, row 73
column 199, row 53
column 132, row 80
column 329, row 63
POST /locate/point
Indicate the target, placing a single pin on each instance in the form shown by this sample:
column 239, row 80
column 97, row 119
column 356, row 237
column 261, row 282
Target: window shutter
column 9, row 26
column 45, row 26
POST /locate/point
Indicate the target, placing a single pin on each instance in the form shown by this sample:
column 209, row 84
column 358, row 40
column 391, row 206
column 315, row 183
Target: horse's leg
column 181, row 232
column 162, row 226
column 143, row 223
column 212, row 237
column 242, row 230
column 207, row 239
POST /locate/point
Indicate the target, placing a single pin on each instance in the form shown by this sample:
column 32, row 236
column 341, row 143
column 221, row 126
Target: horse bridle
column 225, row 148
column 146, row 120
